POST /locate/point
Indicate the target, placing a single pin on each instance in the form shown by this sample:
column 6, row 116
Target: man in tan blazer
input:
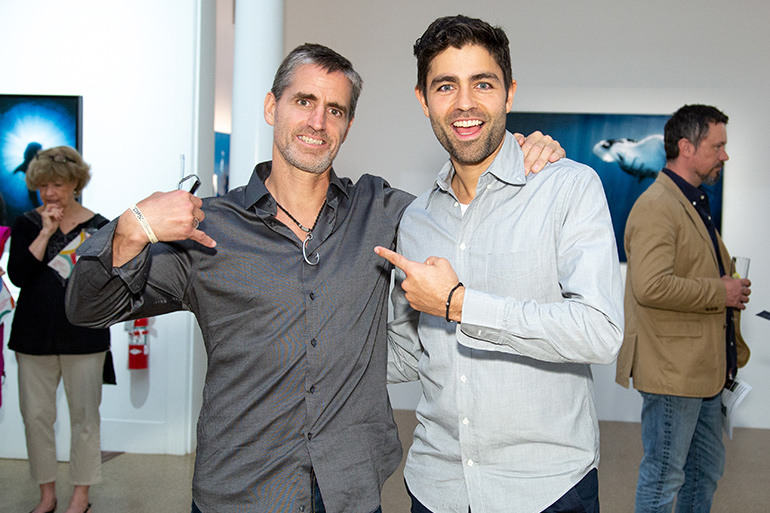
column 682, row 340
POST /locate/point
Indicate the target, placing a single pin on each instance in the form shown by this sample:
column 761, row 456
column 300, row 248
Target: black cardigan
column 40, row 325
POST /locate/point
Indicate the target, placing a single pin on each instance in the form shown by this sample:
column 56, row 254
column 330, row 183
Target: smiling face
column 311, row 119
column 467, row 101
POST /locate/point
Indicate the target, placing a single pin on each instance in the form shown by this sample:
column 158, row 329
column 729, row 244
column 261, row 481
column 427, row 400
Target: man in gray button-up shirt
column 290, row 299
column 508, row 289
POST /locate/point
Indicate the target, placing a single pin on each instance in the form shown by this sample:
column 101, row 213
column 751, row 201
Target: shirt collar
column 257, row 194
column 694, row 195
column 508, row 166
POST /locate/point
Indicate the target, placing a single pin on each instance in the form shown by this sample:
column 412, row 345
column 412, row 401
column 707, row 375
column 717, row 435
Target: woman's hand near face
column 52, row 216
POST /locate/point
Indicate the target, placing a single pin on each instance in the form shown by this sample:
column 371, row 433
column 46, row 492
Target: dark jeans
column 318, row 503
column 581, row 498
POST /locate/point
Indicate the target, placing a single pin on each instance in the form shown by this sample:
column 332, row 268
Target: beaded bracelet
column 449, row 299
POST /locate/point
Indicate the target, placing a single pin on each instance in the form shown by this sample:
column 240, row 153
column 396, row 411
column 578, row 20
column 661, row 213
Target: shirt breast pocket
column 516, row 274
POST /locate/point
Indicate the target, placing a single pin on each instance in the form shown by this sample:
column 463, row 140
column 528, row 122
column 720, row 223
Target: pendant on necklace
column 304, row 251
column 309, row 232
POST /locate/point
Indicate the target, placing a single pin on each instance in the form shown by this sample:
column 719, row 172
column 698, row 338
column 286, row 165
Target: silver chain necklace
column 309, row 232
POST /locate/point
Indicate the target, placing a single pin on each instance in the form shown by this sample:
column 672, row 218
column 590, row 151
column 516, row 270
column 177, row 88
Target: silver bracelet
column 145, row 225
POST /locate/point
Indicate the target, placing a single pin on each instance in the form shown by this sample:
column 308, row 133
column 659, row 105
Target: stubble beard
column 304, row 162
column 711, row 178
column 469, row 152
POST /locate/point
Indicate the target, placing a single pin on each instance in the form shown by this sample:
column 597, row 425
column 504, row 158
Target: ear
column 270, row 108
column 509, row 99
column 423, row 101
column 686, row 148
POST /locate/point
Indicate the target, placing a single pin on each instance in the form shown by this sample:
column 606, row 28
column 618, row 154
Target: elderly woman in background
column 49, row 348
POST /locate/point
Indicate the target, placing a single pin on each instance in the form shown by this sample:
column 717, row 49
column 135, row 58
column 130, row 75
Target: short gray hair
column 324, row 57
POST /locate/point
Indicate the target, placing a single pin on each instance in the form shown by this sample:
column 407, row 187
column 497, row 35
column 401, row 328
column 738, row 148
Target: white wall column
column 258, row 53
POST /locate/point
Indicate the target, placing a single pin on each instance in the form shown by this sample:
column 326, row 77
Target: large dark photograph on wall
column 626, row 150
column 29, row 123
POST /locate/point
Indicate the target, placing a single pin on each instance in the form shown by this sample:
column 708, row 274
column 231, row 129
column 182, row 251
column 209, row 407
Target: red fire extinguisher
column 138, row 348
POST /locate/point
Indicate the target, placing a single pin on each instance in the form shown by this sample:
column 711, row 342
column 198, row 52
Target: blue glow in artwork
column 625, row 150
column 27, row 124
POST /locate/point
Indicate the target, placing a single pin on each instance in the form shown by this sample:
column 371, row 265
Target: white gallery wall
column 145, row 71
column 598, row 56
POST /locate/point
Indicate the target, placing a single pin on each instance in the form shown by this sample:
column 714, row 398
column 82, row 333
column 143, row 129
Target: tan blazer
column 674, row 341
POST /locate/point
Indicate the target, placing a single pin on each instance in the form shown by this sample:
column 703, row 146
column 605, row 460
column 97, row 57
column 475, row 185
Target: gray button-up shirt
column 296, row 353
column 507, row 420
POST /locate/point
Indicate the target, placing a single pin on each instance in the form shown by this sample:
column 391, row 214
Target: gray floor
column 139, row 483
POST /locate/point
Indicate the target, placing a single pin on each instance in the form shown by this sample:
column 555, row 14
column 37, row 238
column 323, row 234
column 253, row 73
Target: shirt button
column 470, row 463
column 489, row 186
column 463, row 378
column 310, row 436
column 457, row 204
column 302, row 509
column 313, row 342
column 466, row 421
column 312, row 389
column 312, row 295
column 462, row 246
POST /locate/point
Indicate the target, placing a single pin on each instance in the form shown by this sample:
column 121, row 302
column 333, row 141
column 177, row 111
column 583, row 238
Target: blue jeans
column 684, row 456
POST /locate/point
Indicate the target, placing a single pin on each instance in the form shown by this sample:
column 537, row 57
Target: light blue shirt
column 507, row 419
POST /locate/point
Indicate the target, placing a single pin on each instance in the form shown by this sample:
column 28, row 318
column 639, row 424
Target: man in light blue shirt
column 508, row 288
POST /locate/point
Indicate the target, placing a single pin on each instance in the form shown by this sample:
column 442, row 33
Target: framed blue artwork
column 29, row 123
column 625, row 150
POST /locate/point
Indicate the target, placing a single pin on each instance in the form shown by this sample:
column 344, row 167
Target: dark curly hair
column 458, row 31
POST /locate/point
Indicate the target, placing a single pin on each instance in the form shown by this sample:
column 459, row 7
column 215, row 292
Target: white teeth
column 310, row 140
column 467, row 123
